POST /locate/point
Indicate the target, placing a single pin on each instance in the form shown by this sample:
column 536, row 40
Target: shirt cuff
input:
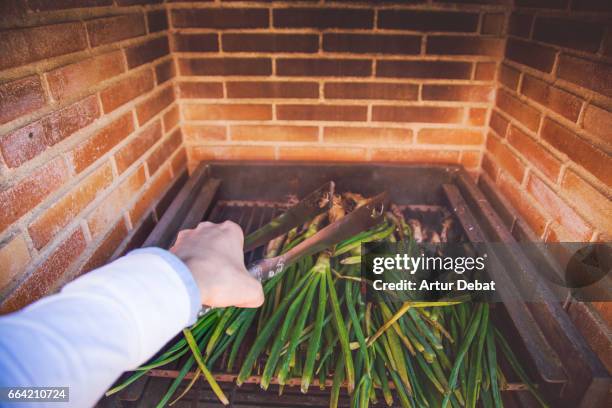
column 184, row 274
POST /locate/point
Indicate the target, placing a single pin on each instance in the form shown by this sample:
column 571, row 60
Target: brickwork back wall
column 550, row 141
column 336, row 80
column 89, row 137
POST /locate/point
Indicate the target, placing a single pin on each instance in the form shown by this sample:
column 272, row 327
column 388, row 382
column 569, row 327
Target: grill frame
column 579, row 379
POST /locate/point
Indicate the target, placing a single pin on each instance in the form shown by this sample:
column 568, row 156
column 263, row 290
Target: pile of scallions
column 315, row 326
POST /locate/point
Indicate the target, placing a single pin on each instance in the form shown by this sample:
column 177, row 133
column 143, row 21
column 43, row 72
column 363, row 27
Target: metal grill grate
column 251, row 194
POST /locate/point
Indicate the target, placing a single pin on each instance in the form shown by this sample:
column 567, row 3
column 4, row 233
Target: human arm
column 115, row 318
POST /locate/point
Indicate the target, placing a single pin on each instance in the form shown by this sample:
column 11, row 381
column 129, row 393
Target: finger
column 233, row 229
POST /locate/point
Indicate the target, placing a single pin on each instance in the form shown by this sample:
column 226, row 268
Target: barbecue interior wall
column 90, row 137
column 103, row 102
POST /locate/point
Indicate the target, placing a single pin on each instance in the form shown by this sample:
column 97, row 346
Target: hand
column 214, row 255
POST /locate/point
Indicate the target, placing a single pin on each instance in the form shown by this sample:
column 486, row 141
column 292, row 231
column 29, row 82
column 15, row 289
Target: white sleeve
column 104, row 323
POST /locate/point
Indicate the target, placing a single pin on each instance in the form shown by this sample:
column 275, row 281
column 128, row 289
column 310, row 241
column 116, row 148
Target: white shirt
column 101, row 324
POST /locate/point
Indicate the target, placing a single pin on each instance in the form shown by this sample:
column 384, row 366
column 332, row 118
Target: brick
column 23, row 46
column 148, row 51
column 372, row 43
column 96, row 146
column 470, row 159
column 533, row 55
column 321, row 112
column 208, row 153
column 69, row 206
column 137, row 147
column 152, row 193
column 505, row 158
column 31, row 191
column 256, row 133
column 114, row 204
column 464, row 93
column 47, row 275
column 20, row 97
column 588, row 74
column 113, row 29
column 64, row 122
column 171, row 118
column 499, row 124
column 14, row 257
column 595, row 331
column 424, row 69
column 535, row 153
column 268, row 89
column 519, row 110
column 201, row 42
column 464, row 45
column 157, row 20
column 256, row 42
column 327, row 154
column 604, row 310
column 106, row 248
column 411, row 155
column 28, row 142
column 558, row 209
column 577, row 34
column 509, row 76
column 126, row 89
column 562, row 102
column 477, row 116
column 164, row 71
column 168, row 197
column 178, row 164
column 587, row 200
column 298, row 17
column 155, row 104
column 485, row 71
column 140, row 236
column 225, row 66
column 450, row 137
column 195, row 134
column 367, row 135
column 419, row 114
column 580, row 151
column 200, row 89
column 533, row 216
column 82, row 76
column 47, row 5
column 520, row 25
column 427, row 20
column 230, row 111
column 493, row 23
column 163, row 152
column 371, row 90
column 489, row 166
column 323, row 67
column 598, row 122
column 220, row 18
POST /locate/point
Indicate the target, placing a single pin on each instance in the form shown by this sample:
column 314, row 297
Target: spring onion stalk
column 315, row 322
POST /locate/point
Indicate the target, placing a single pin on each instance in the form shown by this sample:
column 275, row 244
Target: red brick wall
column 548, row 150
column 343, row 80
column 89, row 136
column 103, row 101
column 550, row 139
